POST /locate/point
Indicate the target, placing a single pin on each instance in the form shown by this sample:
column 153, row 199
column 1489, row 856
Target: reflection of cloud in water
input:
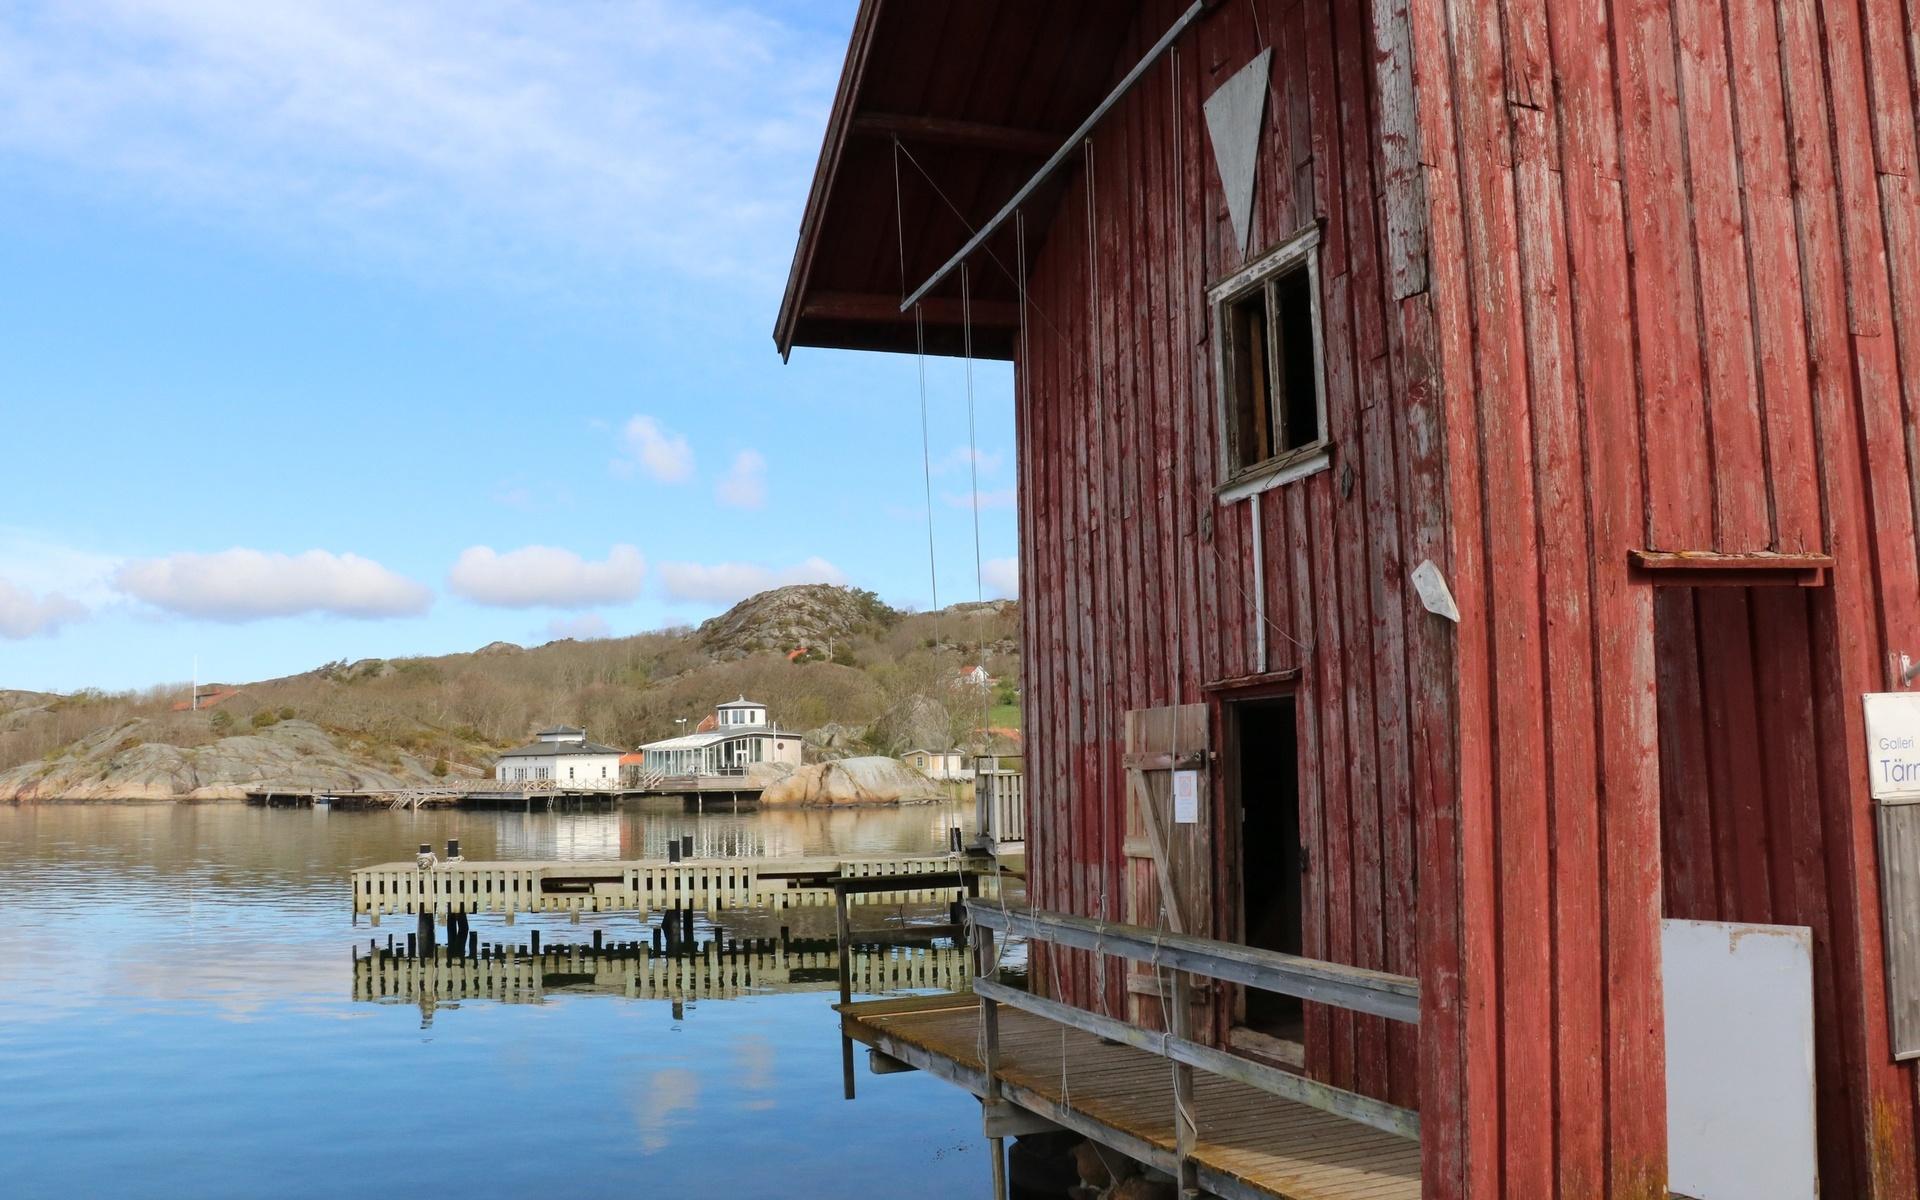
column 754, row 1055
column 662, row 1094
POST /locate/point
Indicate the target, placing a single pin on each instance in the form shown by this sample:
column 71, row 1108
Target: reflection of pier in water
column 716, row 970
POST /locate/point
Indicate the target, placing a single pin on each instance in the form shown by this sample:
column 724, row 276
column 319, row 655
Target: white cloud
column 724, row 583
column 38, row 563
column 456, row 133
column 584, row 627
column 252, row 585
column 664, row 456
column 536, row 576
column 1002, row 575
column 24, row 614
column 991, row 498
column 745, row 483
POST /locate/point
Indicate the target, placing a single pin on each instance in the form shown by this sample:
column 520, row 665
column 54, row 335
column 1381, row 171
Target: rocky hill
column 857, row 676
column 805, row 617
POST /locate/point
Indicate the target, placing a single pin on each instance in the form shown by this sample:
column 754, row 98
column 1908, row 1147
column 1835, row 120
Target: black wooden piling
column 686, row 846
column 535, row 936
column 412, row 950
column 673, row 851
column 596, row 941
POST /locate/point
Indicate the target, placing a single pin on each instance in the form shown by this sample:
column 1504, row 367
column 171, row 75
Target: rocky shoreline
column 116, row 763
column 116, row 766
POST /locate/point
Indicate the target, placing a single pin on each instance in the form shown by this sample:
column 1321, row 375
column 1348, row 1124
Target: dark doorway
column 1266, row 782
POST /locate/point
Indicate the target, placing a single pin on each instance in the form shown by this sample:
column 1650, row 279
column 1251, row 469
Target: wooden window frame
column 1302, row 249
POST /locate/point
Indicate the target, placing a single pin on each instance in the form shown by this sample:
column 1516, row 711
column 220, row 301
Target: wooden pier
column 646, row 886
column 1248, row 1143
column 1219, row 1123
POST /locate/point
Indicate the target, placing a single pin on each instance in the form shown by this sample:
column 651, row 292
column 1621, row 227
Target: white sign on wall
column 1893, row 745
column 1739, row 1017
column 1186, row 797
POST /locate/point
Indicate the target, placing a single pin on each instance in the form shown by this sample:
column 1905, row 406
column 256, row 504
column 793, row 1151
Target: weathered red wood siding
column 1141, row 590
column 1673, row 272
column 1597, row 275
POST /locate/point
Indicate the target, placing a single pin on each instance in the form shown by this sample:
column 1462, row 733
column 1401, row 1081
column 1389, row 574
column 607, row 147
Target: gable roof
column 978, row 95
column 559, row 750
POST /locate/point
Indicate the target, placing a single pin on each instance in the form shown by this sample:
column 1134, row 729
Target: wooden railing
column 1395, row 997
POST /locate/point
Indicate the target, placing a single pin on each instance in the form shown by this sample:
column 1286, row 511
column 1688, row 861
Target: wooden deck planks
column 1263, row 1145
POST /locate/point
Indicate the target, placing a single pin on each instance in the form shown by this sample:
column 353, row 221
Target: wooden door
column 1160, row 742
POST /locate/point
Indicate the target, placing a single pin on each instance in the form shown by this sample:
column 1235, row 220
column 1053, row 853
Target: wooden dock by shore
column 722, row 791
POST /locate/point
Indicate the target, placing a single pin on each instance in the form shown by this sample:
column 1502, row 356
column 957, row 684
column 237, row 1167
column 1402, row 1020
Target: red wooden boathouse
column 1500, row 417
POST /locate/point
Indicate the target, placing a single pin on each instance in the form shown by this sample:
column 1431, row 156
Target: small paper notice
column 1186, row 797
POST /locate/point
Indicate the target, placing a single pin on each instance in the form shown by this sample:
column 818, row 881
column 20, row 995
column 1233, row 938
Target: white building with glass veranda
column 736, row 736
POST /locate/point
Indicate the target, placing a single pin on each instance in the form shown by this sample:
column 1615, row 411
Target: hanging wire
column 920, row 361
column 1017, row 281
column 1177, row 662
column 1093, row 382
column 973, row 473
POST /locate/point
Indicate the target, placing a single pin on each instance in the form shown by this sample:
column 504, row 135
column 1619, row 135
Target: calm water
column 177, row 1019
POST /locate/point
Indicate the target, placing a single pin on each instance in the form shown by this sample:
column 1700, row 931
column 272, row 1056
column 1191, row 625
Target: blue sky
column 342, row 330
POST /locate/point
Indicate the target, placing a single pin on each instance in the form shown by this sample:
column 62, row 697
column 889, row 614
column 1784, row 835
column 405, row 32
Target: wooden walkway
column 1251, row 1144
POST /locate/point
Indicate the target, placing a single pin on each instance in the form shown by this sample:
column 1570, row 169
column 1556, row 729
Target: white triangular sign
column 1234, row 113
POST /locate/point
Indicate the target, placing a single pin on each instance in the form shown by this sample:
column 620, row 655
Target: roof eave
column 825, row 171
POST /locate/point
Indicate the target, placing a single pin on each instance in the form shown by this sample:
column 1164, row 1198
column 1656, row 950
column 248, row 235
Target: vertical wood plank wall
column 1141, row 589
column 1673, row 265
column 1597, row 275
column 1744, row 823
